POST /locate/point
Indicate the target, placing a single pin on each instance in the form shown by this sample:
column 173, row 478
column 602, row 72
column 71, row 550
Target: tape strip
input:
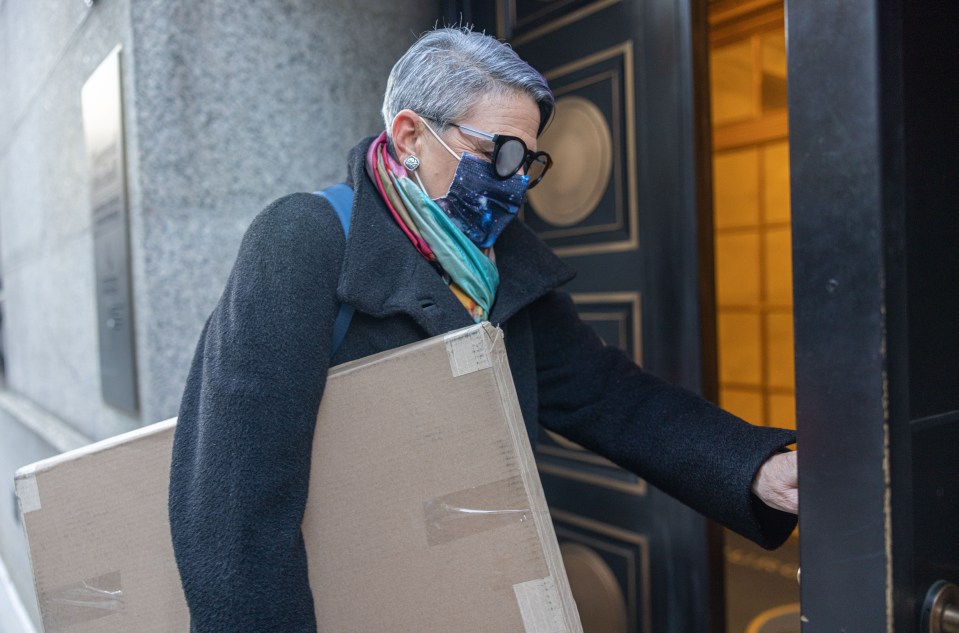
column 28, row 493
column 468, row 351
column 540, row 607
column 65, row 607
column 476, row 510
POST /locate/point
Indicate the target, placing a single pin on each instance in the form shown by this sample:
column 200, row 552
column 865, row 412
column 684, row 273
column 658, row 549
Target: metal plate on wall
column 103, row 132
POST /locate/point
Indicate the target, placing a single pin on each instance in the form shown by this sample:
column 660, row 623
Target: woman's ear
column 406, row 134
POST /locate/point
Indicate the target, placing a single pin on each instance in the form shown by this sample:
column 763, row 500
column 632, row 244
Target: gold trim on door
column 635, row 301
column 580, row 142
column 617, row 166
column 597, row 592
column 635, row 569
column 573, row 452
column 625, row 119
column 549, row 27
column 637, row 488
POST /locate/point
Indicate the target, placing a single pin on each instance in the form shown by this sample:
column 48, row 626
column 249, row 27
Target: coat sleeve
column 241, row 451
column 691, row 449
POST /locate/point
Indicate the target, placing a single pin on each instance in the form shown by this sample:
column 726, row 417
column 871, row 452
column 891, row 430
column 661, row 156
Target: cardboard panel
column 425, row 509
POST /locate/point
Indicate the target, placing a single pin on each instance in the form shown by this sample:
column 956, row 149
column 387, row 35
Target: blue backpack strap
column 340, row 196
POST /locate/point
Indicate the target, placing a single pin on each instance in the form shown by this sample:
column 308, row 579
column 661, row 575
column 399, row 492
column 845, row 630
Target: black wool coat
column 241, row 453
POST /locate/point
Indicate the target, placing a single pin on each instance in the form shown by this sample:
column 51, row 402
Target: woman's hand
column 777, row 483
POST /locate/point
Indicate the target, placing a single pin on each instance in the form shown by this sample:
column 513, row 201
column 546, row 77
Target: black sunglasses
column 510, row 154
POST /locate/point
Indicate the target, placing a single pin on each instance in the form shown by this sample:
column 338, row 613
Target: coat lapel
column 528, row 270
column 383, row 275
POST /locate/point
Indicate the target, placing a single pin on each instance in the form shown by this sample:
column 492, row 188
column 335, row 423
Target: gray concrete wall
column 241, row 103
column 47, row 50
column 227, row 106
column 46, row 248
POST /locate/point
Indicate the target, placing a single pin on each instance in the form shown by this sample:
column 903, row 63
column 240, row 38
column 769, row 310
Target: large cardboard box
column 425, row 511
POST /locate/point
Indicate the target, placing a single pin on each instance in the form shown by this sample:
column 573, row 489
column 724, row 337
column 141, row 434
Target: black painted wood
column 872, row 88
column 682, row 591
column 930, row 59
column 478, row 13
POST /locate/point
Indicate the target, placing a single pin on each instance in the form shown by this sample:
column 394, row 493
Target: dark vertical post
column 839, row 208
column 926, row 479
column 873, row 88
column 703, row 165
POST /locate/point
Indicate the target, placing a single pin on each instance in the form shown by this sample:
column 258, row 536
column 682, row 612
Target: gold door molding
column 630, row 547
column 602, row 605
column 580, row 142
column 614, row 225
column 632, row 303
column 510, row 26
column 624, row 309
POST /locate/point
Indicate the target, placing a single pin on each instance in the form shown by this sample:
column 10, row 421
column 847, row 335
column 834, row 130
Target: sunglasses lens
column 510, row 158
column 536, row 169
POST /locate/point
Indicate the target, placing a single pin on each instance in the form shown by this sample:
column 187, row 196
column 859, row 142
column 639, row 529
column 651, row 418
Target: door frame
column 873, row 156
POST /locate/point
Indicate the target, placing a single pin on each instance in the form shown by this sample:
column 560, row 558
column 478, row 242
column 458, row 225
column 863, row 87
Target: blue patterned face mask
column 479, row 203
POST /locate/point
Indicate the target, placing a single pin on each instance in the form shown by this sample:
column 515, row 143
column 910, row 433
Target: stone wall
column 227, row 106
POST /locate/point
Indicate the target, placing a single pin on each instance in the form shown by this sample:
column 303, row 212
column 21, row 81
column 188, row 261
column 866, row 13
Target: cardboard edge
column 492, row 333
column 30, row 500
column 33, row 573
column 34, row 469
column 28, row 492
column 536, row 599
column 29, row 473
column 468, row 351
column 534, row 490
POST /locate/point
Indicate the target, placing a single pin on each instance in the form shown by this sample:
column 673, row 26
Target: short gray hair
column 447, row 70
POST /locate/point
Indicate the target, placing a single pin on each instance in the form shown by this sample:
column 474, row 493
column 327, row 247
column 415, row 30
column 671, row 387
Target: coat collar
column 384, row 275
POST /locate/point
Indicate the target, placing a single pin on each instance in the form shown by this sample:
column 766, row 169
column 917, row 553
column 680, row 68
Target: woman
column 431, row 248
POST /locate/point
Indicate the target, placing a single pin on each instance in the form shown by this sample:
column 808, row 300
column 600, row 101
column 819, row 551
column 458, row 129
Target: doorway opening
column 752, row 237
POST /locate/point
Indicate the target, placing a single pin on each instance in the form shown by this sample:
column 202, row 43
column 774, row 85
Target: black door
column 621, row 206
column 875, row 147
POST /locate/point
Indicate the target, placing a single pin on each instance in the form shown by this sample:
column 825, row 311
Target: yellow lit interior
column 751, row 218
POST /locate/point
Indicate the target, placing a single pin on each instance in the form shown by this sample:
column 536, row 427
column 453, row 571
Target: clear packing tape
column 516, row 500
column 506, row 501
column 489, row 507
column 89, row 599
column 73, row 531
column 492, row 505
column 477, row 509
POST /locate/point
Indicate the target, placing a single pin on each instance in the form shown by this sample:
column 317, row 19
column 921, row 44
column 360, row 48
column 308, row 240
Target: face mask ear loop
column 438, row 138
column 416, row 175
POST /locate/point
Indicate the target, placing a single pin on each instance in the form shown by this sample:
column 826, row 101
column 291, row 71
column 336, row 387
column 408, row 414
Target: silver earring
column 412, row 163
